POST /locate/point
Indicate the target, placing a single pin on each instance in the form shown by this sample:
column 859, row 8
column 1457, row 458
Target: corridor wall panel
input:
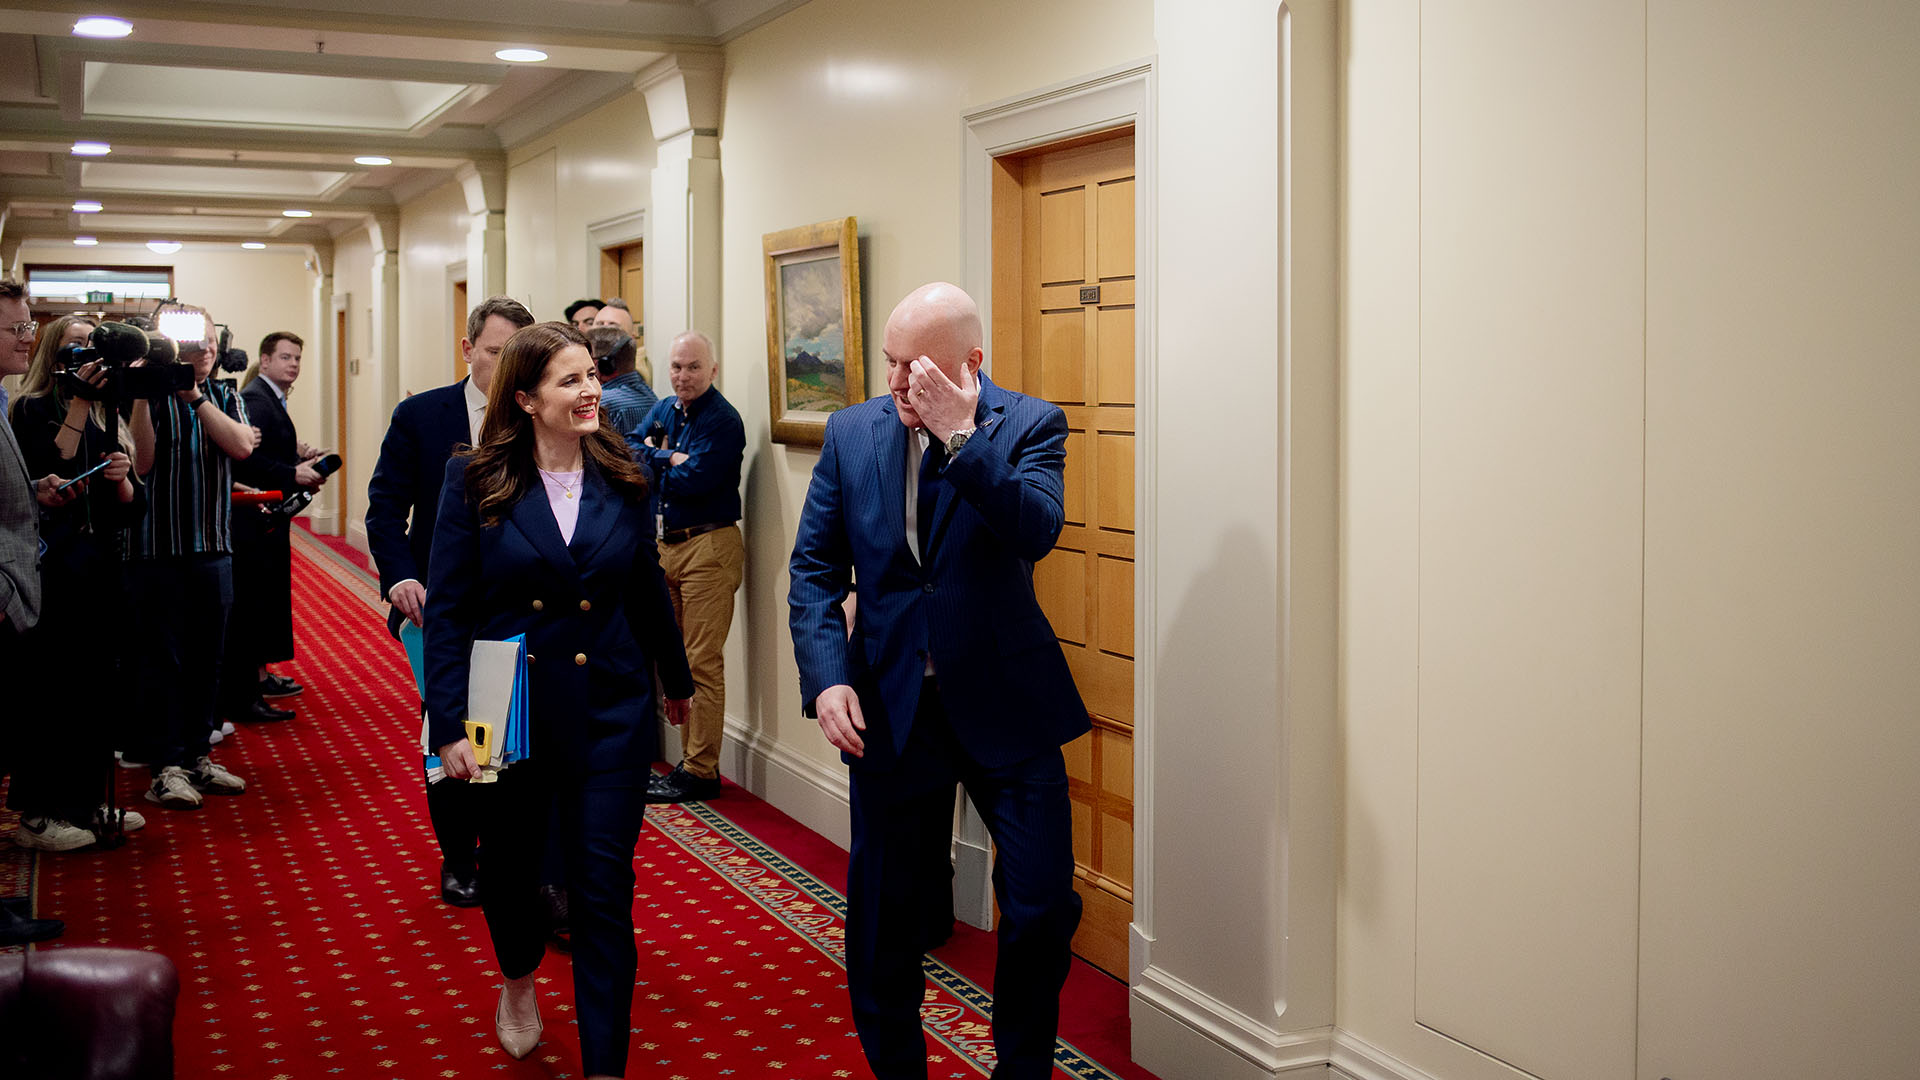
column 1532, row 212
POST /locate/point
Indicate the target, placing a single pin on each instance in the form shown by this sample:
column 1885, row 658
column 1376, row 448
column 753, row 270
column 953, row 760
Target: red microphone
column 257, row 498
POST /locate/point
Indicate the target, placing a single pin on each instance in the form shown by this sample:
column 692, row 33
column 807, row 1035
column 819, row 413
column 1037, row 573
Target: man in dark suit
column 402, row 500
column 262, row 630
column 937, row 500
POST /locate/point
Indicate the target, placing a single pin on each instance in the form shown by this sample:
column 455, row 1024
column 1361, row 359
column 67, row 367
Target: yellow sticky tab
column 480, row 734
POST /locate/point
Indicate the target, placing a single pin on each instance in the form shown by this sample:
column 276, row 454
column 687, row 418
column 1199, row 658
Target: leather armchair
column 92, row 1013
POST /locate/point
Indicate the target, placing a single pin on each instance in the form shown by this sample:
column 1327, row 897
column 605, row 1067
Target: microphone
column 296, row 502
column 256, row 498
column 118, row 343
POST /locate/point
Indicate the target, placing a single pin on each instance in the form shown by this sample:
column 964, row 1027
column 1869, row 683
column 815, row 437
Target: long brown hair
column 500, row 472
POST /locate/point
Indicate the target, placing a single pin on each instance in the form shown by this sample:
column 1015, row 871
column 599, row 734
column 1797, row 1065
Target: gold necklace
column 566, row 489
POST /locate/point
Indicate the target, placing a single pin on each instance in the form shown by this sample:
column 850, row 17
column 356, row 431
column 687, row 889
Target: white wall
column 366, row 407
column 824, row 122
column 433, row 237
column 1628, row 536
column 587, row 171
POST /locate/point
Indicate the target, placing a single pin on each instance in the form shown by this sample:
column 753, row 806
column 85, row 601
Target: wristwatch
column 957, row 440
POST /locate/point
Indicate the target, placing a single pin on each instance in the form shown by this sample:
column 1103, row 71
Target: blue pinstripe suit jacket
column 970, row 604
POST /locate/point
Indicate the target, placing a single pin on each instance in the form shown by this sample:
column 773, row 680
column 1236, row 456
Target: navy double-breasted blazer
column 596, row 614
column 403, row 497
column 969, row 603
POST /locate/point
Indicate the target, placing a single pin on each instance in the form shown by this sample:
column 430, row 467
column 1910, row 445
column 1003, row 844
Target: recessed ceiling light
column 520, row 56
column 84, row 241
column 86, row 206
column 101, row 26
column 163, row 247
column 91, row 149
column 296, row 213
column 372, row 159
column 254, row 245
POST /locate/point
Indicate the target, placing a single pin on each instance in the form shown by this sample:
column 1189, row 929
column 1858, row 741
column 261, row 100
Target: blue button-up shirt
column 705, row 488
column 628, row 400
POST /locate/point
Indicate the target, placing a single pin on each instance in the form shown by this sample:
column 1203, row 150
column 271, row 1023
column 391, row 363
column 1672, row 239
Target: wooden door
column 1063, row 330
column 459, row 329
column 620, row 276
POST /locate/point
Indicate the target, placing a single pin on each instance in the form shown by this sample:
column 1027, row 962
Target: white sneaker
column 51, row 834
column 126, row 762
column 213, row 779
column 173, row 790
column 130, row 820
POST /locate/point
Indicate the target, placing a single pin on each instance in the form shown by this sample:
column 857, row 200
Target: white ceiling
column 222, row 114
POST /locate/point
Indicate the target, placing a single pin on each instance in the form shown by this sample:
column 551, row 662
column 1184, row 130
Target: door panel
column 1066, row 261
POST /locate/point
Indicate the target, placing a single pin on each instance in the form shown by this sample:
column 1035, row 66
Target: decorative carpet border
column 364, row 586
column 818, row 914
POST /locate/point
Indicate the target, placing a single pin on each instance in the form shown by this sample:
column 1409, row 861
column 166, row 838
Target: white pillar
column 683, row 284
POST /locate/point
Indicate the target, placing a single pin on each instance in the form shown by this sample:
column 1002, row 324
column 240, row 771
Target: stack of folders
column 496, row 702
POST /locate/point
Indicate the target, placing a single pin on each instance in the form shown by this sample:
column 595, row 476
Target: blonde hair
column 41, row 380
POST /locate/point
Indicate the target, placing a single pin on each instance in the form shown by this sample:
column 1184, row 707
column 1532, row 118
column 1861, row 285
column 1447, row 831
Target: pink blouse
column 563, row 494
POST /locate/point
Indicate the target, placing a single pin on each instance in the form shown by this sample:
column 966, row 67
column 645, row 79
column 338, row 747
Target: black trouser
column 68, row 694
column 601, row 819
column 180, row 608
column 1026, row 810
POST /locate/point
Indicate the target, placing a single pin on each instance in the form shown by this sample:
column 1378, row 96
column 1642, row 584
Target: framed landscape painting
column 814, row 349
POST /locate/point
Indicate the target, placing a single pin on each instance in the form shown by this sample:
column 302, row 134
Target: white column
column 485, row 185
column 683, row 283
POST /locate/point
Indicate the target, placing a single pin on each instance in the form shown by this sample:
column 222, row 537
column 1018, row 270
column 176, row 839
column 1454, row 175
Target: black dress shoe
column 682, row 786
column 279, row 686
column 261, row 711
column 554, row 897
column 459, row 885
column 17, row 929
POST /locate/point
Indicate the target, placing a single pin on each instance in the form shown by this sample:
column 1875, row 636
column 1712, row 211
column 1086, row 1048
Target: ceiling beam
column 39, row 122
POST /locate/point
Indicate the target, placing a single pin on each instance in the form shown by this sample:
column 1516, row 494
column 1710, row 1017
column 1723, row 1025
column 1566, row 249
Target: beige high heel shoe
column 518, row 1029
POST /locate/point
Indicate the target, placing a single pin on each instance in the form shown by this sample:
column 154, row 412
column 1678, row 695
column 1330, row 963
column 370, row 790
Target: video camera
column 116, row 345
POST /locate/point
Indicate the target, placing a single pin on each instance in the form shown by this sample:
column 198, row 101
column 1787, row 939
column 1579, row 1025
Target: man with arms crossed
column 938, row 499
column 696, row 471
column 413, row 460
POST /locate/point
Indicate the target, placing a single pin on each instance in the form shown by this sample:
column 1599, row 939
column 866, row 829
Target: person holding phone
column 542, row 531
column 59, row 780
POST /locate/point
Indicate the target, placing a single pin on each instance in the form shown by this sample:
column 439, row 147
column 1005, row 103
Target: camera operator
column 262, row 624
column 64, row 750
column 181, row 572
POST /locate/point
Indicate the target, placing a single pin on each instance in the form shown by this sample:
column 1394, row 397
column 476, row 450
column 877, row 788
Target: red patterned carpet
column 305, row 919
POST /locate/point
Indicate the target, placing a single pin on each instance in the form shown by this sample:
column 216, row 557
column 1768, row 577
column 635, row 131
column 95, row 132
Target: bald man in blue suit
column 937, row 500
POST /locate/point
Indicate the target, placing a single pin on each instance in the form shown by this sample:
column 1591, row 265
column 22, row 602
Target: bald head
column 940, row 322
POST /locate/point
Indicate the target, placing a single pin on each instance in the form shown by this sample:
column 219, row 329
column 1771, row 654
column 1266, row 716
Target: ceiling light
column 296, row 213
column 163, row 247
column 254, row 245
column 372, row 159
column 520, row 56
column 86, row 206
column 91, row 149
column 101, row 26
column 84, row 241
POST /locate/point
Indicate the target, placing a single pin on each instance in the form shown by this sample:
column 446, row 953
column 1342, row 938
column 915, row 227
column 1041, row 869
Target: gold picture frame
column 815, row 352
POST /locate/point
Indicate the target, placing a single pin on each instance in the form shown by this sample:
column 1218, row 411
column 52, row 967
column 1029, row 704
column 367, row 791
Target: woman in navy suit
column 543, row 531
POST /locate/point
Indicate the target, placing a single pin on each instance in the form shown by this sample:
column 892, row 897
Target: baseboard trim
column 357, row 539
column 799, row 786
column 1181, row 1031
column 1355, row 1058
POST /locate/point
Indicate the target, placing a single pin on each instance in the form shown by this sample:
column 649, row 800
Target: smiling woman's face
column 567, row 401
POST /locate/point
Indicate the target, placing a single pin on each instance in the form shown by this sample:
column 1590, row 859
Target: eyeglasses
column 23, row 330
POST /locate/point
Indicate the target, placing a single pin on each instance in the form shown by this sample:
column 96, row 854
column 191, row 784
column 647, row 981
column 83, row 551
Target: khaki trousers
column 702, row 575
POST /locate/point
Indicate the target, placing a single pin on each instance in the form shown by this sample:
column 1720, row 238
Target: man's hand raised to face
column 944, row 407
